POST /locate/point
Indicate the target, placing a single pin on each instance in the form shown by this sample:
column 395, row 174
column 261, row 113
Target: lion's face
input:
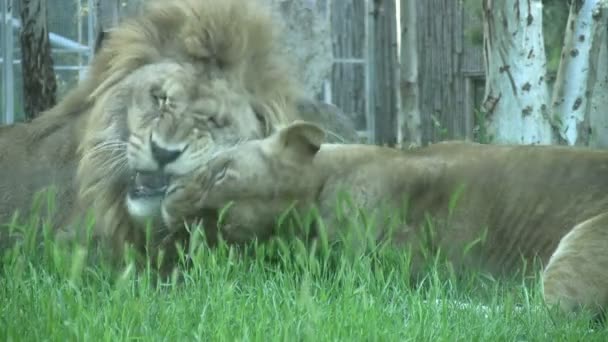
column 166, row 119
column 252, row 183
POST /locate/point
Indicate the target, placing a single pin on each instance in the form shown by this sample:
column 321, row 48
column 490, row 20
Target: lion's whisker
column 112, row 148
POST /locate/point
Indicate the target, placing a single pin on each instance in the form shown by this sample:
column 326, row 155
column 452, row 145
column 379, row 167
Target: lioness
column 516, row 201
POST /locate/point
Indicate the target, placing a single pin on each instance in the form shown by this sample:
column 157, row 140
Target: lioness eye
column 217, row 121
column 221, row 175
column 224, row 171
column 213, row 121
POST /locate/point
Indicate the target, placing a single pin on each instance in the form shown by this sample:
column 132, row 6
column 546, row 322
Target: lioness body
column 519, row 200
column 34, row 156
column 527, row 197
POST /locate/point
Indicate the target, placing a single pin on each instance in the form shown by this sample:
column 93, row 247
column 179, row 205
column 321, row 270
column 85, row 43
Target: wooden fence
column 365, row 82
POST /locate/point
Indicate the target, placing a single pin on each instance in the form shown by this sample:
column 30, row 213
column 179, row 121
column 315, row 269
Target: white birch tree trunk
column 599, row 102
column 516, row 96
column 578, row 72
column 410, row 122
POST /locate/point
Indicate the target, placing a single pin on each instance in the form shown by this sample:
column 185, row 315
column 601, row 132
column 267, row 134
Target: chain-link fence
column 71, row 28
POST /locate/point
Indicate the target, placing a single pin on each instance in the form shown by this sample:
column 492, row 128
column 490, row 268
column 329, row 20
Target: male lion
column 165, row 86
column 514, row 201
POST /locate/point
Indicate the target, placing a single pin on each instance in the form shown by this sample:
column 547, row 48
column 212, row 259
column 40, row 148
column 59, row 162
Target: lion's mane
column 230, row 39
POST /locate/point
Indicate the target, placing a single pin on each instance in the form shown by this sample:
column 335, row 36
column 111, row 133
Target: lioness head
column 254, row 182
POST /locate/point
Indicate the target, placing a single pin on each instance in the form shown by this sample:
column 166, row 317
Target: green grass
column 57, row 294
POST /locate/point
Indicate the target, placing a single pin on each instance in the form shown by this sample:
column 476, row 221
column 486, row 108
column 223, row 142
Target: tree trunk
column 307, row 39
column 39, row 83
column 411, row 125
column 599, row 102
column 577, row 74
column 516, row 95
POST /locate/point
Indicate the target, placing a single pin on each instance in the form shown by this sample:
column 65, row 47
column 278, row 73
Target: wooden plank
column 348, row 77
column 385, row 76
column 444, row 102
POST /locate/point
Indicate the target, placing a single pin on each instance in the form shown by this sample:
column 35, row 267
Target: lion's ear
column 300, row 139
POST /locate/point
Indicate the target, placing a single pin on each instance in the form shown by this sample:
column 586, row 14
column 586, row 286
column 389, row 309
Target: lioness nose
column 163, row 156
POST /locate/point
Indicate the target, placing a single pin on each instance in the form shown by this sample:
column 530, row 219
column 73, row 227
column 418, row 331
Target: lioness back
column 492, row 207
column 33, row 157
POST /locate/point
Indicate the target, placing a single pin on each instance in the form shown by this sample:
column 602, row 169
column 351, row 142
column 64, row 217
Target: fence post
column 368, row 49
column 8, row 99
column 91, row 28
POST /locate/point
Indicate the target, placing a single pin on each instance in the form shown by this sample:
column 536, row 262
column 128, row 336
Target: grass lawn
column 57, row 295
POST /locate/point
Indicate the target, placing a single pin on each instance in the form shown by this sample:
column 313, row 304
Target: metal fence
column 71, row 26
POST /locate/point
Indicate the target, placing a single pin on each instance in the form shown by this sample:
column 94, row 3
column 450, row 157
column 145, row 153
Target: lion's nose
column 162, row 155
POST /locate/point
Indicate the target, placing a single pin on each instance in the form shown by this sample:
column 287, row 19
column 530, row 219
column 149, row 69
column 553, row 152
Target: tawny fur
column 517, row 202
column 231, row 46
column 575, row 276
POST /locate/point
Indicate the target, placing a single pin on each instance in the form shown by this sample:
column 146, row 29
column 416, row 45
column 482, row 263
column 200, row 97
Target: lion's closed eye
column 159, row 97
column 219, row 120
column 209, row 121
column 173, row 189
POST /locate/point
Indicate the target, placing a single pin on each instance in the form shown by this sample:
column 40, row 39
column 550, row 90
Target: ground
column 55, row 295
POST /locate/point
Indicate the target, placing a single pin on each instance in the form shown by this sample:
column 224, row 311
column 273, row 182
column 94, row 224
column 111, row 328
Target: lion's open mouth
column 148, row 184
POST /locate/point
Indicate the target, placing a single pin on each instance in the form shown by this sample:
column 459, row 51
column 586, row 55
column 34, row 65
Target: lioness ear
column 300, row 138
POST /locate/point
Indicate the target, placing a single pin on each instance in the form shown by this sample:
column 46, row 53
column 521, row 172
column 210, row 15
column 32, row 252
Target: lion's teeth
column 150, row 180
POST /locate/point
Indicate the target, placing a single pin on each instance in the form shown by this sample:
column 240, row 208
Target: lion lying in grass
column 491, row 205
column 165, row 88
